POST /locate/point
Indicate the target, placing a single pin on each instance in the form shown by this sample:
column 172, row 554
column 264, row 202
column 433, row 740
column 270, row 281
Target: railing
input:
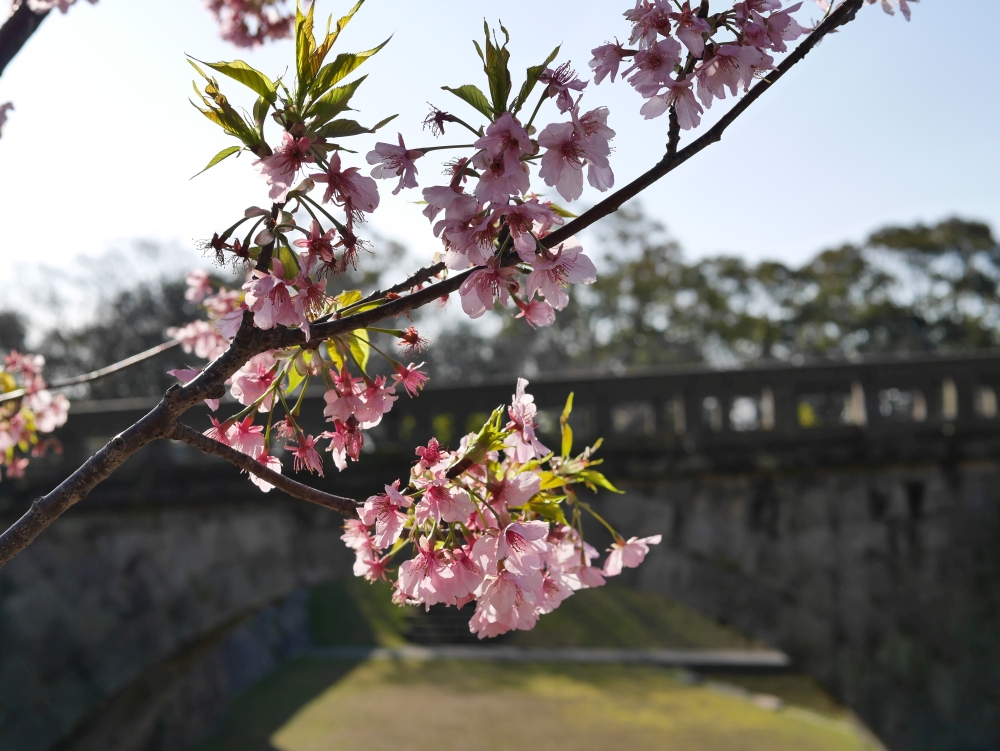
column 913, row 408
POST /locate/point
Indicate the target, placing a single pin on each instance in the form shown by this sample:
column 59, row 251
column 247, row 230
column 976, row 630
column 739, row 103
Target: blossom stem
column 456, row 146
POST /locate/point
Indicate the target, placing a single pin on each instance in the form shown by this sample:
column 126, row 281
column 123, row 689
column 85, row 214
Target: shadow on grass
column 259, row 713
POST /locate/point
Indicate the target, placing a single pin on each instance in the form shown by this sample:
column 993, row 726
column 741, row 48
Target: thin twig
column 96, row 374
column 346, row 506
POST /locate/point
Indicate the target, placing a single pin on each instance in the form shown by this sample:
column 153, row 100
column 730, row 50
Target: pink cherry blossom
column 515, row 489
column 536, row 313
column 50, row 410
column 629, row 554
column 219, row 431
column 679, row 95
column 483, row 287
column 281, row 168
column 248, row 23
column 410, row 377
column 443, row 504
column 654, row 66
column 356, row 535
column 607, row 59
column 466, row 576
column 198, row 285
column 395, row 161
column 273, row 463
column 521, row 219
column 567, row 265
column 201, row 338
column 522, row 445
column 518, row 545
column 569, row 147
column 502, row 606
column 499, row 159
column 731, row 67
column 344, row 399
column 247, row 438
column 410, row 342
column 424, row 578
column 650, row 18
column 383, row 510
column 230, row 323
column 376, row 400
column 318, row 245
column 253, row 380
column 691, row 28
column 561, row 81
column 348, row 188
column 305, row 455
column 270, row 297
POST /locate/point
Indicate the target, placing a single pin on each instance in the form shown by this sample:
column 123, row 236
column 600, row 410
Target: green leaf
column 346, row 128
column 567, row 431
column 592, row 477
column 385, row 121
column 331, row 36
column 347, row 298
column 497, row 71
column 472, row 95
column 360, row 348
column 249, row 77
column 560, row 211
column 260, row 110
column 228, row 151
column 294, row 379
column 305, row 46
column 342, row 66
column 532, row 78
column 333, row 102
column 289, row 261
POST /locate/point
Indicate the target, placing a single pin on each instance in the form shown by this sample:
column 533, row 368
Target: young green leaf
column 305, row 46
column 342, row 66
column 249, row 77
column 567, row 431
column 497, row 71
column 228, row 151
column 333, row 102
column 472, row 95
column 360, row 348
column 532, row 78
column 591, row 477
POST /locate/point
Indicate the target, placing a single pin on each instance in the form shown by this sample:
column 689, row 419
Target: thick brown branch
column 96, row 374
column 669, row 163
column 346, row 506
column 16, row 31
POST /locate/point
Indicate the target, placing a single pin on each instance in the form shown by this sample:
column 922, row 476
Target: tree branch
column 16, row 31
column 669, row 163
column 96, row 374
column 250, row 341
column 346, row 506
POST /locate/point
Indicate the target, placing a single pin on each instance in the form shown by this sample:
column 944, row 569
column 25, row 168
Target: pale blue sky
column 886, row 122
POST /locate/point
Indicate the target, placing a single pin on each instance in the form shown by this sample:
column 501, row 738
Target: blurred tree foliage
column 919, row 288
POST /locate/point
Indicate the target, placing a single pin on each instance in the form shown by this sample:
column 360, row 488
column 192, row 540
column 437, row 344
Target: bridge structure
column 847, row 513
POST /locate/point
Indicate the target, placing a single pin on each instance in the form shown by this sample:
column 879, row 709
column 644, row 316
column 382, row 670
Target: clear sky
column 886, row 122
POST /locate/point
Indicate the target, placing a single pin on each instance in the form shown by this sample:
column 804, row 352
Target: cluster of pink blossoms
column 353, row 403
column 487, row 528
column 248, row 23
column 677, row 54
column 23, row 420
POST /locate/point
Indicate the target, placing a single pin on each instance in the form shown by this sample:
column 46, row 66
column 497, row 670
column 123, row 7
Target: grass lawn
column 322, row 705
column 325, row 705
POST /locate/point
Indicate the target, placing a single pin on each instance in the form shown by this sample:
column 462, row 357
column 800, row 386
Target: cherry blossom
column 679, row 95
column 383, row 510
column 567, row 265
column 484, row 287
column 568, row 148
column 254, row 380
column 281, row 168
column 318, row 246
column 348, row 187
column 201, row 338
column 607, row 59
column 628, row 554
column 522, row 445
column 411, row 378
column 501, row 148
column 273, row 464
column 691, row 29
column 395, row 161
column 561, row 82
column 305, row 455
column 198, row 286
column 654, row 66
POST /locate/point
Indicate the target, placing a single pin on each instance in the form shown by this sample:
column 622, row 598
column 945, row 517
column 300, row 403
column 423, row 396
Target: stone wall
column 104, row 602
column 885, row 585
